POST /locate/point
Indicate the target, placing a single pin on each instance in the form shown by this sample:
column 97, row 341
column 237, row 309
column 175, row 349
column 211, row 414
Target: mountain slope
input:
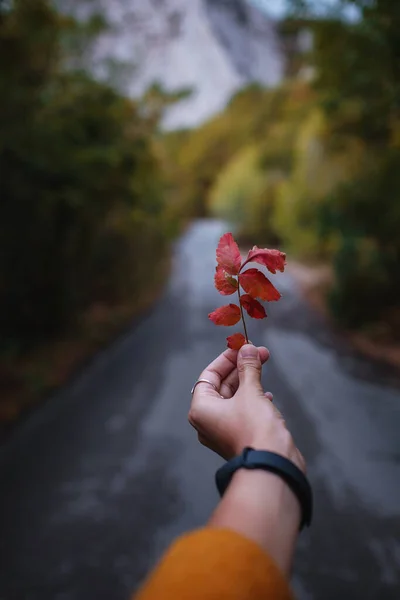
column 212, row 46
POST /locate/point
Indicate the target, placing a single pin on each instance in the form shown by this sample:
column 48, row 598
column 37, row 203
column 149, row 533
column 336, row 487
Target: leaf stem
column 241, row 312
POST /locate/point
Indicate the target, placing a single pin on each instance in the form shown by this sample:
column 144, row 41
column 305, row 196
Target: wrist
column 262, row 507
column 281, row 504
column 282, row 445
column 272, row 462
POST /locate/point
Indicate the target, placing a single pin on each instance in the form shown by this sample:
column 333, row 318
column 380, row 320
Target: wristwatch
column 274, row 463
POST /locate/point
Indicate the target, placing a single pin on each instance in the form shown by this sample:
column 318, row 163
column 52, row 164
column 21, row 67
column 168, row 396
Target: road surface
column 98, row 481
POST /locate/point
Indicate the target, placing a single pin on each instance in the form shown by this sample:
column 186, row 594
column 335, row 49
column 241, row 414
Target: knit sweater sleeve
column 215, row 564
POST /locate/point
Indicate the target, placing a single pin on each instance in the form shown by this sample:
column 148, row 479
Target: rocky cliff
column 212, row 46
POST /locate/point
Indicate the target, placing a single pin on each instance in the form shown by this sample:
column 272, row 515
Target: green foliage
column 81, row 214
column 233, row 165
column 319, row 167
column 361, row 101
column 368, row 257
column 360, row 96
column 245, row 194
column 242, row 178
column 340, row 199
column 201, row 154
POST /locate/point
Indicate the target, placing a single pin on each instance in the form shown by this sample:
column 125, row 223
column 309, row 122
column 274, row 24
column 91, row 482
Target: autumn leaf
column 253, row 307
column 225, row 283
column 225, row 315
column 236, row 341
column 258, row 286
column 228, row 254
column 274, row 260
column 230, row 277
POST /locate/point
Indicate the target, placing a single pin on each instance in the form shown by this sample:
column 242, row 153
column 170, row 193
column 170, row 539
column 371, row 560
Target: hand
column 241, row 414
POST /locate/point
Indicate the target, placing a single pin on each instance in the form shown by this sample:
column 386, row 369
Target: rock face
column 248, row 38
column 212, row 46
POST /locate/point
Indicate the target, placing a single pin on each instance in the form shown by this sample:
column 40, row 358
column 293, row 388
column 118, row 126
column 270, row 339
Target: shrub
column 320, row 165
column 81, row 188
column 244, row 194
column 197, row 157
column 365, row 215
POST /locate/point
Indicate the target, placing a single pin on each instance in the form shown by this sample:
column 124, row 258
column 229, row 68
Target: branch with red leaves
column 230, row 277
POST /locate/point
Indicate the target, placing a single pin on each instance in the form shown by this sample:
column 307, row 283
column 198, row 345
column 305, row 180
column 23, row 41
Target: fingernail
column 249, row 351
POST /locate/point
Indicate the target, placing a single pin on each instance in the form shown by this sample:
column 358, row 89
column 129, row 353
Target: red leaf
column 236, row 341
column 253, row 307
column 225, row 315
column 225, row 283
column 258, row 286
column 274, row 260
column 228, row 254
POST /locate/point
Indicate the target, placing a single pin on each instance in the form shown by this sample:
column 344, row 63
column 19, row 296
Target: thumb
column 249, row 366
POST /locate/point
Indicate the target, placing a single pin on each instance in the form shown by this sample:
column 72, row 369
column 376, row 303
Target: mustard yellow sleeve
column 215, row 564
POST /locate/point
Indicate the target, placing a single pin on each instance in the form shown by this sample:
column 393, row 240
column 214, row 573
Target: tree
column 360, row 95
column 81, row 186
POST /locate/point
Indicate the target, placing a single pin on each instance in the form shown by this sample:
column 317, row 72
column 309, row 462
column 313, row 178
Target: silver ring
column 204, row 381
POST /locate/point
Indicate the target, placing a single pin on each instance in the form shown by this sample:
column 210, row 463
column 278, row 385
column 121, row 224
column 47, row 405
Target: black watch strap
column 274, row 463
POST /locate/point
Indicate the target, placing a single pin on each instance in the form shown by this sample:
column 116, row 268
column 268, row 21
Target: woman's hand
column 257, row 504
column 241, row 414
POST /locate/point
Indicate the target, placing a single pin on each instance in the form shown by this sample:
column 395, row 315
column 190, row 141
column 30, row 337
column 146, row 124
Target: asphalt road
column 98, row 481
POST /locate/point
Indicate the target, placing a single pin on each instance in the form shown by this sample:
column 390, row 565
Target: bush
column 360, row 100
column 81, row 214
column 367, row 262
column 320, row 165
column 244, row 194
column 197, row 157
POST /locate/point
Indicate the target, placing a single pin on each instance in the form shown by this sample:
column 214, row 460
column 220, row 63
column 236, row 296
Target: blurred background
column 133, row 133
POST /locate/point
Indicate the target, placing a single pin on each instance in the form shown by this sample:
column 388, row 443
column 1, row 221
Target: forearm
column 261, row 506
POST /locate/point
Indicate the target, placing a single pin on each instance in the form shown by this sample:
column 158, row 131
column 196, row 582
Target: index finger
column 217, row 370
